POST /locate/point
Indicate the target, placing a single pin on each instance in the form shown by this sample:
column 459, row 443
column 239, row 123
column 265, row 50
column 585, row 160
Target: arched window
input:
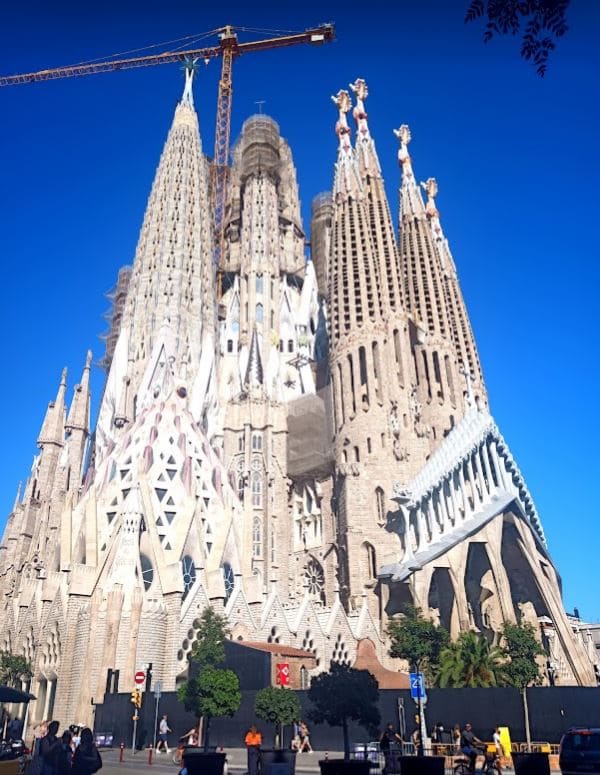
column 230, row 345
column 370, row 561
column 228, row 579
column 240, row 488
column 315, row 579
column 188, row 574
column 380, row 502
column 259, row 283
column 303, row 678
column 241, row 443
column 260, row 313
column 290, row 345
column 257, row 537
column 257, row 488
column 257, row 441
column 272, row 544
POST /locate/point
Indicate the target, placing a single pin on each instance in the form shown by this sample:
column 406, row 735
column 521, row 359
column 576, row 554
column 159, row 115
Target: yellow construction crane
column 228, row 48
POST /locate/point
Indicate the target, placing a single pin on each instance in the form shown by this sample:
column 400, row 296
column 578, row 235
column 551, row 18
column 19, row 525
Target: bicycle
column 490, row 766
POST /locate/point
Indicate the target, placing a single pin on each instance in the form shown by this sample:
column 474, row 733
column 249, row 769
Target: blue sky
column 516, row 159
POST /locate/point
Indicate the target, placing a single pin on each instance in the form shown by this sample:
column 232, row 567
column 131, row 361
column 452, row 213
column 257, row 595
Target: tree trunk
column 526, row 712
column 206, row 733
column 346, row 740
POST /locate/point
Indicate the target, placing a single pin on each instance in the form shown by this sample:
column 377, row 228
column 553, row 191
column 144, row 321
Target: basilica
column 303, row 442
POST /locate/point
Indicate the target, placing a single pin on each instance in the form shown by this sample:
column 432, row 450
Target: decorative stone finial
column 431, row 187
column 343, row 103
column 360, row 89
column 404, row 136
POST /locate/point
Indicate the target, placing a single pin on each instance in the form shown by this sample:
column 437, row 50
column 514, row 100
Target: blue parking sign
column 417, row 686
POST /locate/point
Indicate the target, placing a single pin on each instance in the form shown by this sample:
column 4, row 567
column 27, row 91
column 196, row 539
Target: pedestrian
column 304, row 738
column 416, row 739
column 64, row 757
column 253, row 742
column 163, row 731
column 86, row 759
column 499, row 749
column 389, row 738
column 455, row 735
column 470, row 745
column 49, row 748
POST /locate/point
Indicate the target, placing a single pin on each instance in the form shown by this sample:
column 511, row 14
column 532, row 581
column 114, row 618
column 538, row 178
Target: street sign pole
column 135, row 721
column 417, row 692
column 157, row 693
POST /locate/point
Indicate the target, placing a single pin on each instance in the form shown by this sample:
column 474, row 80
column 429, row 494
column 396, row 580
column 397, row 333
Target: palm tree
column 470, row 662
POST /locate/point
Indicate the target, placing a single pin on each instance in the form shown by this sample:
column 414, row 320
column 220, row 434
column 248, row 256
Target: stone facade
column 305, row 445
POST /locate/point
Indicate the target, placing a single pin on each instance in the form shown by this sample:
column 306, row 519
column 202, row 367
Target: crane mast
column 228, row 49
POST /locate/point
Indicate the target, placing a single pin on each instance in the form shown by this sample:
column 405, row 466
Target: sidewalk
column 236, row 760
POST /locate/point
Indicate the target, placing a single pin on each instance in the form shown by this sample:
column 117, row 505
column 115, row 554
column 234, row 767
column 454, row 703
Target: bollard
column 150, row 752
column 121, row 751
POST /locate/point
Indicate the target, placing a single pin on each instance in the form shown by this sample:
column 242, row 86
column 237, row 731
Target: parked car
column 580, row 751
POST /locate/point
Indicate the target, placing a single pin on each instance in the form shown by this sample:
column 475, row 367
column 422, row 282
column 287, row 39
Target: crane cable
column 196, row 37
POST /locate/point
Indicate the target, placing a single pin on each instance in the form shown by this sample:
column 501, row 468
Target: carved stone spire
column 346, row 179
column 382, row 230
column 411, row 202
column 172, row 280
column 53, row 427
column 460, row 325
column 79, row 411
column 365, row 147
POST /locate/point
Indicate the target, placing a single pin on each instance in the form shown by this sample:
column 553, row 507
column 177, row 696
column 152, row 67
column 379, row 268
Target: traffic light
column 136, row 698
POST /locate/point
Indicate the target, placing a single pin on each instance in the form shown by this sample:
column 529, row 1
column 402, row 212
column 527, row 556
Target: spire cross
column 189, row 68
column 343, row 103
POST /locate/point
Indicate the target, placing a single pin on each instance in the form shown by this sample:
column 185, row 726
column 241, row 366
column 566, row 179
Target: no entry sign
column 139, row 677
column 283, row 673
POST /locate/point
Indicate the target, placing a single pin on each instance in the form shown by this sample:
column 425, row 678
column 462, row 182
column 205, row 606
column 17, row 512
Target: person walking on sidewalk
column 253, row 742
column 305, row 746
column 163, row 731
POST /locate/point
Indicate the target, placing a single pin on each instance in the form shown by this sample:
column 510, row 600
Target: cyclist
column 470, row 745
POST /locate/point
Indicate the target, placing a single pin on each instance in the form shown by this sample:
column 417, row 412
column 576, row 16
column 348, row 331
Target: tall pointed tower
column 168, row 319
column 269, row 316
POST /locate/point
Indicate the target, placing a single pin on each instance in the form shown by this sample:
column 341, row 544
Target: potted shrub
column 337, row 697
column 278, row 706
column 211, row 691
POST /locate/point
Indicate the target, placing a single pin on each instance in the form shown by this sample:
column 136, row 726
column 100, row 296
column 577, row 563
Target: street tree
column 278, row 706
column 14, row 668
column 471, row 662
column 211, row 691
column 345, row 694
column 522, row 649
column 417, row 640
column 539, row 22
